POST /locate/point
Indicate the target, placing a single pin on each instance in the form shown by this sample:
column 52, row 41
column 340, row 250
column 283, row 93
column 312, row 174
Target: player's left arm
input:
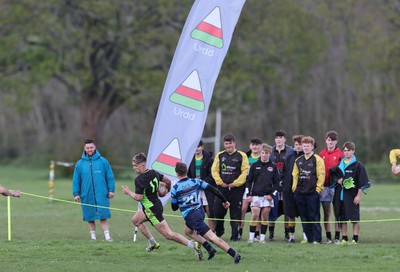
column 244, row 170
column 174, row 204
column 276, row 179
column 215, row 171
column 174, row 200
column 320, row 174
column 295, row 175
column 357, row 199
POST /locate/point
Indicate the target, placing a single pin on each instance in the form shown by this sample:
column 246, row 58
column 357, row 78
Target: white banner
column 187, row 93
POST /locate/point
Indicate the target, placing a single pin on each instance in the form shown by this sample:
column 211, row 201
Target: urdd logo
column 189, row 93
column 209, row 30
column 167, row 160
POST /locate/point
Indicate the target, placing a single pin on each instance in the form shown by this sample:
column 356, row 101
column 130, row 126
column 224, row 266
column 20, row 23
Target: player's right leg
column 211, row 236
column 255, row 211
column 138, row 220
column 164, row 229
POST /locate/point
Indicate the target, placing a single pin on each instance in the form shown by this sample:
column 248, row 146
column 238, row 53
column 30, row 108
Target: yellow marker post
column 9, row 216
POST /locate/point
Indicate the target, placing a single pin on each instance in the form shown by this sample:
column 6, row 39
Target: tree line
column 76, row 69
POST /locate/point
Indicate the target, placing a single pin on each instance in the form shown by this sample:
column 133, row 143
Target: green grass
column 52, row 236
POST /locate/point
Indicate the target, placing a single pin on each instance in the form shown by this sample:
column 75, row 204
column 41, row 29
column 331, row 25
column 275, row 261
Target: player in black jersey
column 146, row 186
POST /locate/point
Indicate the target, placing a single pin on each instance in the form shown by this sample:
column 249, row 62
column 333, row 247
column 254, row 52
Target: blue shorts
column 327, row 195
column 195, row 221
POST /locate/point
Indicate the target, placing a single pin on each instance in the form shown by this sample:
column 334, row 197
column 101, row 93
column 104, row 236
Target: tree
column 104, row 53
column 275, row 45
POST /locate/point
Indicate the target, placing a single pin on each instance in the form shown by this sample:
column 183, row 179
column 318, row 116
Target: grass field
column 52, row 236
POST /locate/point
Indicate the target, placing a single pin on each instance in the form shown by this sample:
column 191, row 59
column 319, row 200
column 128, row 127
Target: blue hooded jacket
column 93, row 179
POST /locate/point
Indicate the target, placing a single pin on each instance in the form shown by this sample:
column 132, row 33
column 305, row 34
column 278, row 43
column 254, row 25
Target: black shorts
column 155, row 213
column 195, row 221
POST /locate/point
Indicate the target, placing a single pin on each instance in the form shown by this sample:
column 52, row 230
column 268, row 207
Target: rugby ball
column 162, row 189
column 397, row 170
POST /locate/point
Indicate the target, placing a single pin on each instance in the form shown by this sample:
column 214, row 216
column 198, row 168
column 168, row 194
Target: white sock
column 152, row 241
column 262, row 237
column 251, row 235
column 304, row 236
column 107, row 234
column 190, row 244
column 93, row 235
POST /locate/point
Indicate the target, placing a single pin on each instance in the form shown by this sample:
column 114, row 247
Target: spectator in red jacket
column 331, row 156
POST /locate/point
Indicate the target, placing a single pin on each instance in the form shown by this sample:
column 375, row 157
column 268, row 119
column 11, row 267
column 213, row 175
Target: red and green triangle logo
column 209, row 30
column 189, row 93
column 167, row 160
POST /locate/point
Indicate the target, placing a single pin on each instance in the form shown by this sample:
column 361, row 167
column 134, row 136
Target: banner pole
column 136, row 229
column 9, row 216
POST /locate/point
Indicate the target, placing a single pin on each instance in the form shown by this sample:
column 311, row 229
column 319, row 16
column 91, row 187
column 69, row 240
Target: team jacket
column 308, row 174
column 279, row 157
column 263, row 179
column 230, row 168
column 354, row 169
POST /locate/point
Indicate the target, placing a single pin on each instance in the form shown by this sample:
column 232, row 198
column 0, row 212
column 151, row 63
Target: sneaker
column 237, row 258
column 109, row 240
column 262, row 241
column 257, row 239
column 152, row 247
column 250, row 241
column 336, row 242
column 93, row 238
column 353, row 242
column 328, row 241
column 212, row 253
column 239, row 236
column 292, row 240
column 344, row 242
column 303, row 242
column 316, row 243
column 197, row 251
column 271, row 238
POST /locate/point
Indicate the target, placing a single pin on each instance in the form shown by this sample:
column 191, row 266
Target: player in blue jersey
column 146, row 187
column 185, row 196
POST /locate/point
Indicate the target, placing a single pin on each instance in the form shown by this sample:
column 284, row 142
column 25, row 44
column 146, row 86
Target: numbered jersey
column 146, row 184
column 186, row 193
